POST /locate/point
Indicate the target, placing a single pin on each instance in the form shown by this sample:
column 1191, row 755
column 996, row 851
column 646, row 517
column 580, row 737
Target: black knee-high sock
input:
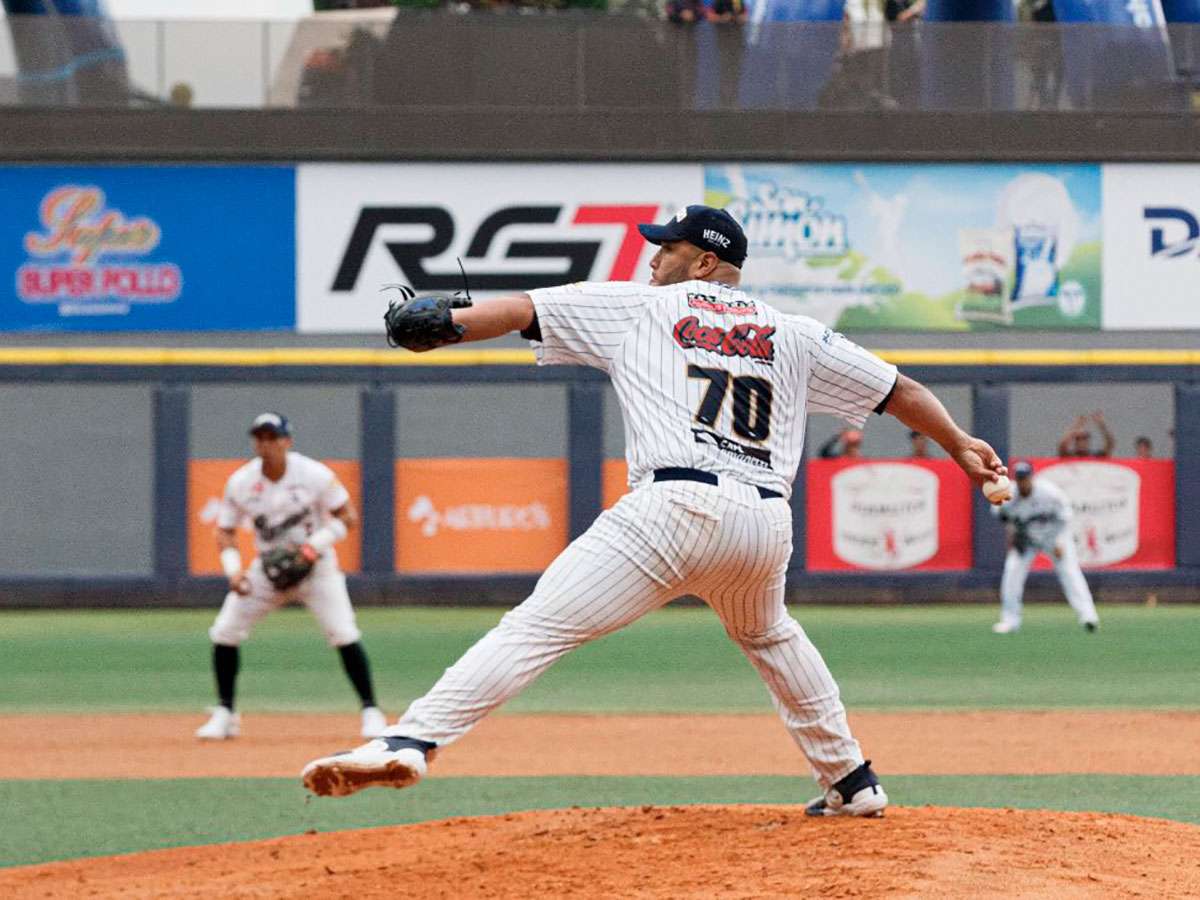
column 225, row 667
column 354, row 661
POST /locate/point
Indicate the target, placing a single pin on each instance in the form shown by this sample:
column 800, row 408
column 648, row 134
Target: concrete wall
column 76, row 474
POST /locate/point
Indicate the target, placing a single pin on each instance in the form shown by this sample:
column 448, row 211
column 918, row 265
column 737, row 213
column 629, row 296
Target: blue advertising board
column 147, row 248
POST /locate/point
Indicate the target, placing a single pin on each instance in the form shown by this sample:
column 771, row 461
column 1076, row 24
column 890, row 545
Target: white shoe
column 222, row 724
column 373, row 721
column 1004, row 628
column 388, row 761
column 858, row 794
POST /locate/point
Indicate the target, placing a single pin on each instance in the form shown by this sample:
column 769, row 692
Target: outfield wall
column 122, row 518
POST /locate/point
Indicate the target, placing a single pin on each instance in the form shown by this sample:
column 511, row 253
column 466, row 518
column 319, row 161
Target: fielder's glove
column 286, row 566
column 1020, row 541
column 423, row 322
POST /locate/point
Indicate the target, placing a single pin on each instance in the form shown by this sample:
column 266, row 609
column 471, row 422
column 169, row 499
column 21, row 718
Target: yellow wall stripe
column 322, row 356
column 257, row 356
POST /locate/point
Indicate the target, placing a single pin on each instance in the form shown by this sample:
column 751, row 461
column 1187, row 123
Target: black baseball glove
column 287, row 565
column 421, row 322
column 1020, row 540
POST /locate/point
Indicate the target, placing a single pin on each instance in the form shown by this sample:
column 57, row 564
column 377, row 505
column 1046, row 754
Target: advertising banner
column 514, row 226
column 1124, row 510
column 888, row 515
column 1152, row 246
column 206, row 486
column 135, row 248
column 944, row 247
column 480, row 515
column 614, row 481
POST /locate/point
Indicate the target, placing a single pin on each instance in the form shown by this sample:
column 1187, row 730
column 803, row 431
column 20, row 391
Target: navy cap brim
column 656, row 234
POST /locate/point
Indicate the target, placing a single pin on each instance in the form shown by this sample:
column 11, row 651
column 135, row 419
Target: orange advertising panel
column 480, row 515
column 614, row 481
column 206, row 485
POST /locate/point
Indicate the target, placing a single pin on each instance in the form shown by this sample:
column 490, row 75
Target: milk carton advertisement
column 938, row 247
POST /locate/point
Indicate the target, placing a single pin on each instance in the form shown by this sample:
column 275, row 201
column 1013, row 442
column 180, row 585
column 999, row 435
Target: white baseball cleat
column 858, row 794
column 1004, row 628
column 387, row 761
column 224, row 723
column 373, row 721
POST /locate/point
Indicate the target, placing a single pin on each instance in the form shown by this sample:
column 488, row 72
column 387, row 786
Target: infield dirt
column 669, row 852
column 651, row 851
column 900, row 743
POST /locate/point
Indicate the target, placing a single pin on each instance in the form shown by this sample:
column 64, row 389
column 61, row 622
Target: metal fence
column 379, row 377
column 573, row 61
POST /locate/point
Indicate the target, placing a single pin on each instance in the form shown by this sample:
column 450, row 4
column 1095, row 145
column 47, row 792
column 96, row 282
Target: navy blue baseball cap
column 1022, row 470
column 271, row 422
column 708, row 228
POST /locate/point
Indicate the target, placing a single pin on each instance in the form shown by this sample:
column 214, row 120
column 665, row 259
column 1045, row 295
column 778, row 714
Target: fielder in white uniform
column 1039, row 521
column 715, row 386
column 289, row 500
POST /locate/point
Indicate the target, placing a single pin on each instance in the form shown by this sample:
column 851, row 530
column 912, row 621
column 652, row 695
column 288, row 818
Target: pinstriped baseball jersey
column 285, row 511
column 709, row 377
column 1043, row 515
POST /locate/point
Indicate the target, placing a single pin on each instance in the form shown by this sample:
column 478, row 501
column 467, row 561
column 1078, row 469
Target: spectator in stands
column 686, row 12
column 1143, row 448
column 920, row 445
column 904, row 56
column 903, row 10
column 728, row 12
column 846, row 444
column 1043, row 48
column 1077, row 440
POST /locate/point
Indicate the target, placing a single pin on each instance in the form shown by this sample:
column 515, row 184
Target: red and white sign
column 887, row 515
column 515, row 226
column 1124, row 510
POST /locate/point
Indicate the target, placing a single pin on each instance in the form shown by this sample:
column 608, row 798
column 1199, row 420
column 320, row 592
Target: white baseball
column 997, row 491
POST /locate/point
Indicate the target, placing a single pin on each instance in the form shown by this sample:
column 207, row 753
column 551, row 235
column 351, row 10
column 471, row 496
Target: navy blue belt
column 679, row 473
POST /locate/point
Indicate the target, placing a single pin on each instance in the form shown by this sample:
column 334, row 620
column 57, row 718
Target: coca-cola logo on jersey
column 748, row 340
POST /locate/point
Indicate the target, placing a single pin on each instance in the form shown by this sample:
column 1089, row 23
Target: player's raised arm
column 916, row 406
column 428, row 321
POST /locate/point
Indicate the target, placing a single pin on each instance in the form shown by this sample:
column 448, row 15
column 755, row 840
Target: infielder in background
column 1039, row 519
column 715, row 386
column 299, row 510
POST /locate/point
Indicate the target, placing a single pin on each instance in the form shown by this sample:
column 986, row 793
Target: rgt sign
column 515, row 228
column 490, row 237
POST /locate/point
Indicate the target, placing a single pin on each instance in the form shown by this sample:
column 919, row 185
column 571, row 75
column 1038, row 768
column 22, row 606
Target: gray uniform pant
column 1070, row 576
column 722, row 543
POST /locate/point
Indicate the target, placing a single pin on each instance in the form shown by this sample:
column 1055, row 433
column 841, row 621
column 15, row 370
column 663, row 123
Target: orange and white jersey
column 709, row 377
column 286, row 511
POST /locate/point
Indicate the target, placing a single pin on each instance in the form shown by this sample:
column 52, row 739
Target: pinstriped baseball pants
column 722, row 543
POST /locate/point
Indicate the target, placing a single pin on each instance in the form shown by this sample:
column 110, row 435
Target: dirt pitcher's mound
column 698, row 851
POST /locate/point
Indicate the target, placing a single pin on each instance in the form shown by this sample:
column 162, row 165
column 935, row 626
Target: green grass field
column 678, row 660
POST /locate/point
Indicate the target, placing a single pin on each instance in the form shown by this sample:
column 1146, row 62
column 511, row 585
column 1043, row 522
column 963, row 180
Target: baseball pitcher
column 1039, row 519
column 298, row 510
column 715, row 386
